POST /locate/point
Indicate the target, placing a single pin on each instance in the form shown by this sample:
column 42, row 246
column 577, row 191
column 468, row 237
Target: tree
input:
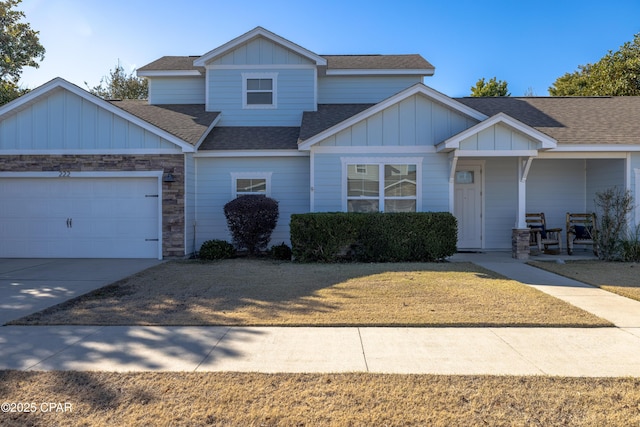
column 10, row 91
column 491, row 88
column 19, row 47
column 119, row 85
column 615, row 74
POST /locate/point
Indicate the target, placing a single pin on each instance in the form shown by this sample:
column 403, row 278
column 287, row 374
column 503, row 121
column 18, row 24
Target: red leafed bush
column 251, row 220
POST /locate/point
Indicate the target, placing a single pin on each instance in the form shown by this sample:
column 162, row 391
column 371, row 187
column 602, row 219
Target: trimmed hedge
column 373, row 237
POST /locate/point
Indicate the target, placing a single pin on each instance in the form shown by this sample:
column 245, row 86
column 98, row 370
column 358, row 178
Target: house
column 85, row 177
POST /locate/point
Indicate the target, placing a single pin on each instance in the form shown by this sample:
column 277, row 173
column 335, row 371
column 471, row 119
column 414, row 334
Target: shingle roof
column 173, row 63
column 377, row 62
column 342, row 62
column 252, row 138
column 186, row 121
column 314, row 122
column 571, row 120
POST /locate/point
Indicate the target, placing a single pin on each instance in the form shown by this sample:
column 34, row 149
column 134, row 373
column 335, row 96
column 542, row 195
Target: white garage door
column 79, row 217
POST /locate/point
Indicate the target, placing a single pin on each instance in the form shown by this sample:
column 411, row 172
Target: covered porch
column 502, row 170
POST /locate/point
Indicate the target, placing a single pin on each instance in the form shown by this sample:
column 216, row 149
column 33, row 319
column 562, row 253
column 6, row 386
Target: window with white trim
column 259, row 90
column 243, row 183
column 382, row 187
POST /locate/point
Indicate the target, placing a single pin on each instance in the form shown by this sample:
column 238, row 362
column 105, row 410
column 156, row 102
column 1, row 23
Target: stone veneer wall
column 173, row 203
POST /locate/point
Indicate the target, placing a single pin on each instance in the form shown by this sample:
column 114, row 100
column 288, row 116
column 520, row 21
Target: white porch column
column 523, row 171
column 453, row 162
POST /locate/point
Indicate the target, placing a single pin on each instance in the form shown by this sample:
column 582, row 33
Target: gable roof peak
column 250, row 35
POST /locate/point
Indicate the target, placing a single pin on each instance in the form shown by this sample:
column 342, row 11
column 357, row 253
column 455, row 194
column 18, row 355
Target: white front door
column 79, row 217
column 468, row 205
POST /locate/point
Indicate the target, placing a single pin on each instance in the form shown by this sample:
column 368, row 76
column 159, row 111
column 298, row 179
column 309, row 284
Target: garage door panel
column 79, row 217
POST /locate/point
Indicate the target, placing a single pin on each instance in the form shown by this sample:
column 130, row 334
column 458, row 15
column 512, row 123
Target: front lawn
column 252, row 399
column 617, row 277
column 260, row 292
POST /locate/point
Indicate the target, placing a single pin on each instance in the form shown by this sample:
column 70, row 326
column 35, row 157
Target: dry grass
column 234, row 399
column 617, row 277
column 267, row 293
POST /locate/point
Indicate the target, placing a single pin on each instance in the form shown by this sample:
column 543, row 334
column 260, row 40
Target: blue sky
column 528, row 43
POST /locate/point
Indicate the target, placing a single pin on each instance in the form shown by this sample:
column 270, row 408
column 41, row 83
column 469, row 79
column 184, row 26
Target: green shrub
column 281, row 252
column 613, row 206
column 251, row 220
column 373, row 237
column 216, row 249
column 631, row 246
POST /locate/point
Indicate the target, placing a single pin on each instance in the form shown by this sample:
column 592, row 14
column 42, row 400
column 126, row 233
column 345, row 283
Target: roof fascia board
column 59, row 82
column 584, row 154
column 257, row 32
column 261, row 67
column 169, row 73
column 376, row 72
column 251, row 153
column 413, row 90
column 573, row 148
column 454, row 142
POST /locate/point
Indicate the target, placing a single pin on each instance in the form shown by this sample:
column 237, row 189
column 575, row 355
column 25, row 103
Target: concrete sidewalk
column 592, row 352
column 595, row 352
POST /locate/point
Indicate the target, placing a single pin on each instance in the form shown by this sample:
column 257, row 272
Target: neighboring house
column 84, row 177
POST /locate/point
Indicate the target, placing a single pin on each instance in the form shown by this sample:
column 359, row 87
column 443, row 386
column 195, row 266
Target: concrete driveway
column 30, row 285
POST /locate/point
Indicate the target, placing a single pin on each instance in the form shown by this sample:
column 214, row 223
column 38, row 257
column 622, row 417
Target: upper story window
column 259, row 90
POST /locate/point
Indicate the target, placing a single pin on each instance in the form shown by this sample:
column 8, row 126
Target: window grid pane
column 251, row 186
column 400, row 188
column 363, row 184
column 400, row 180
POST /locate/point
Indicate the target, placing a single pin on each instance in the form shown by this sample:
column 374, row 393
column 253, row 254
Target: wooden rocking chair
column 541, row 236
column 581, row 230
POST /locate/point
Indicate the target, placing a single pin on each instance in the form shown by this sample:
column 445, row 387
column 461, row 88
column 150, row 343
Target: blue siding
column 329, row 179
column 416, row 120
column 289, row 186
column 65, row 121
column 361, row 89
column 261, row 51
column 635, row 185
column 601, row 175
column 501, row 200
column 295, row 94
column 555, row 187
column 176, row 90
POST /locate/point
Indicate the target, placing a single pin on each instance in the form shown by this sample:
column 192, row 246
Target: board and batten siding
column 176, row 90
column 289, row 186
column 361, row 89
column 330, row 178
column 295, row 94
column 415, row 120
column 66, row 121
column 261, row 51
column 498, row 137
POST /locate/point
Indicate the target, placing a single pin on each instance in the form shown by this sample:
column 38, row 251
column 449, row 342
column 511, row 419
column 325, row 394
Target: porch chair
column 541, row 236
column 581, row 230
